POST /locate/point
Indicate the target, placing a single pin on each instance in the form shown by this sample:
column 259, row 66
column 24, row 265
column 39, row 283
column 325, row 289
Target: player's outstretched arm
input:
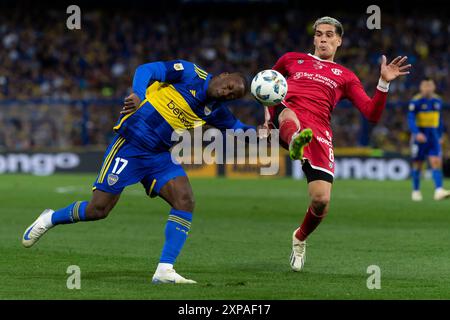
column 146, row 73
column 222, row 118
column 170, row 72
column 372, row 108
column 142, row 76
column 264, row 129
column 394, row 69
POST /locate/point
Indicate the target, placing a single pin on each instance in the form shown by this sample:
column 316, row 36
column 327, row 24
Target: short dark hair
column 332, row 21
column 244, row 80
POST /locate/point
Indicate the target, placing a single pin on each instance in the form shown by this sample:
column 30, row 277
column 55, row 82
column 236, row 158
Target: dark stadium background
column 62, row 89
column 61, row 92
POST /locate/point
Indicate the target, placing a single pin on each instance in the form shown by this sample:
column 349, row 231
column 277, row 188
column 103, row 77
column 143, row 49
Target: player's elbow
column 140, row 69
column 373, row 117
column 372, row 110
column 373, row 121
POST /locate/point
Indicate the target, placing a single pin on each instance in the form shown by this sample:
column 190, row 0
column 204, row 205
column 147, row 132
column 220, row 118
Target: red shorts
column 319, row 152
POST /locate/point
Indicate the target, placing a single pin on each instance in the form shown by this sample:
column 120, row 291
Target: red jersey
column 315, row 86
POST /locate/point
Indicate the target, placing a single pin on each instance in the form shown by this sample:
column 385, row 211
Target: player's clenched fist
column 131, row 103
column 421, row 138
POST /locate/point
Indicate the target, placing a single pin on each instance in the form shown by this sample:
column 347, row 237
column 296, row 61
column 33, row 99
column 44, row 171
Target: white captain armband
column 383, row 86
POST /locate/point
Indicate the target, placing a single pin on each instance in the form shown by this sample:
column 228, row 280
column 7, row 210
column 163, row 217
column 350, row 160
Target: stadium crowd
column 40, row 59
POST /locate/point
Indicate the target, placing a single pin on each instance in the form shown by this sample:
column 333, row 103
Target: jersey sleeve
column 412, row 110
column 371, row 108
column 222, row 119
column 280, row 65
column 170, row 71
column 441, row 128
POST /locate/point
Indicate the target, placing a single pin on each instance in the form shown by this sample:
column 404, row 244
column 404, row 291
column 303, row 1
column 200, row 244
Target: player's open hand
column 131, row 104
column 263, row 131
column 394, row 69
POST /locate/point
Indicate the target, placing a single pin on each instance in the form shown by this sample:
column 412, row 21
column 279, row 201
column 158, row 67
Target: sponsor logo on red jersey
column 336, row 71
column 324, row 141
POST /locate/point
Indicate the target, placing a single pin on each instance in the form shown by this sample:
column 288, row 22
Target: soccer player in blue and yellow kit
column 425, row 123
column 171, row 96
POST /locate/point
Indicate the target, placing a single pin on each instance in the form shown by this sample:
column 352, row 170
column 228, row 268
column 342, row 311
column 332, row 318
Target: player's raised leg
column 178, row 193
column 292, row 134
column 436, row 169
column 98, row 208
column 100, row 205
column 320, row 194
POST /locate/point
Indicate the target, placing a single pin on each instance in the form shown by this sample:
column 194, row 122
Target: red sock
column 310, row 223
column 287, row 130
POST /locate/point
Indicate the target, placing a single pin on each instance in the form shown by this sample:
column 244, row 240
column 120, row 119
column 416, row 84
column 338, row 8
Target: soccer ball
column 269, row 87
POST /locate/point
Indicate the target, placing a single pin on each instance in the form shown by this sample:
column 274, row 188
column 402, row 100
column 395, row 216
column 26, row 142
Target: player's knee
column 435, row 163
column 288, row 115
column 97, row 211
column 185, row 202
column 319, row 204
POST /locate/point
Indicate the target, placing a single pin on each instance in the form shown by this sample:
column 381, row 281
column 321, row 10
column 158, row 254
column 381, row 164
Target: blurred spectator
column 41, row 59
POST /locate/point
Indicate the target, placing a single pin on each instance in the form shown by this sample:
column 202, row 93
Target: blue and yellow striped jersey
column 425, row 115
column 174, row 98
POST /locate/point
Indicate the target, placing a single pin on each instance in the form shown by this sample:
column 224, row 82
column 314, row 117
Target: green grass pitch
column 238, row 247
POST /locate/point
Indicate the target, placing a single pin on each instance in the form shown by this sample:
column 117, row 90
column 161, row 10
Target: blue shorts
column 420, row 151
column 125, row 164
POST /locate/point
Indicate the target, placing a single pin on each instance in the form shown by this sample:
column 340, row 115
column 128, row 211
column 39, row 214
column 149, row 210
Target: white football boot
column 441, row 194
column 298, row 255
column 37, row 229
column 170, row 276
column 416, row 195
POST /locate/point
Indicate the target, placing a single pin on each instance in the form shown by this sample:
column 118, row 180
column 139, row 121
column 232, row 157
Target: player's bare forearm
column 131, row 104
column 263, row 129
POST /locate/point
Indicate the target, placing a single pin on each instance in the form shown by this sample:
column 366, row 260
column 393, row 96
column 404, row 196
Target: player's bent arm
column 131, row 104
column 146, row 73
column 240, row 125
column 222, row 119
column 371, row 108
column 170, row 71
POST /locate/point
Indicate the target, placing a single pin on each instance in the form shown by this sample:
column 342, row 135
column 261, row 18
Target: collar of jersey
column 315, row 57
column 203, row 96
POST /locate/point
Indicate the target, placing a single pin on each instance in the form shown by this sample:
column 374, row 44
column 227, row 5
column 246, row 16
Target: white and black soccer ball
column 269, row 87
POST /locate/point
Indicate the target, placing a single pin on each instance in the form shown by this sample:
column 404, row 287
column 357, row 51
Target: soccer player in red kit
column 316, row 84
